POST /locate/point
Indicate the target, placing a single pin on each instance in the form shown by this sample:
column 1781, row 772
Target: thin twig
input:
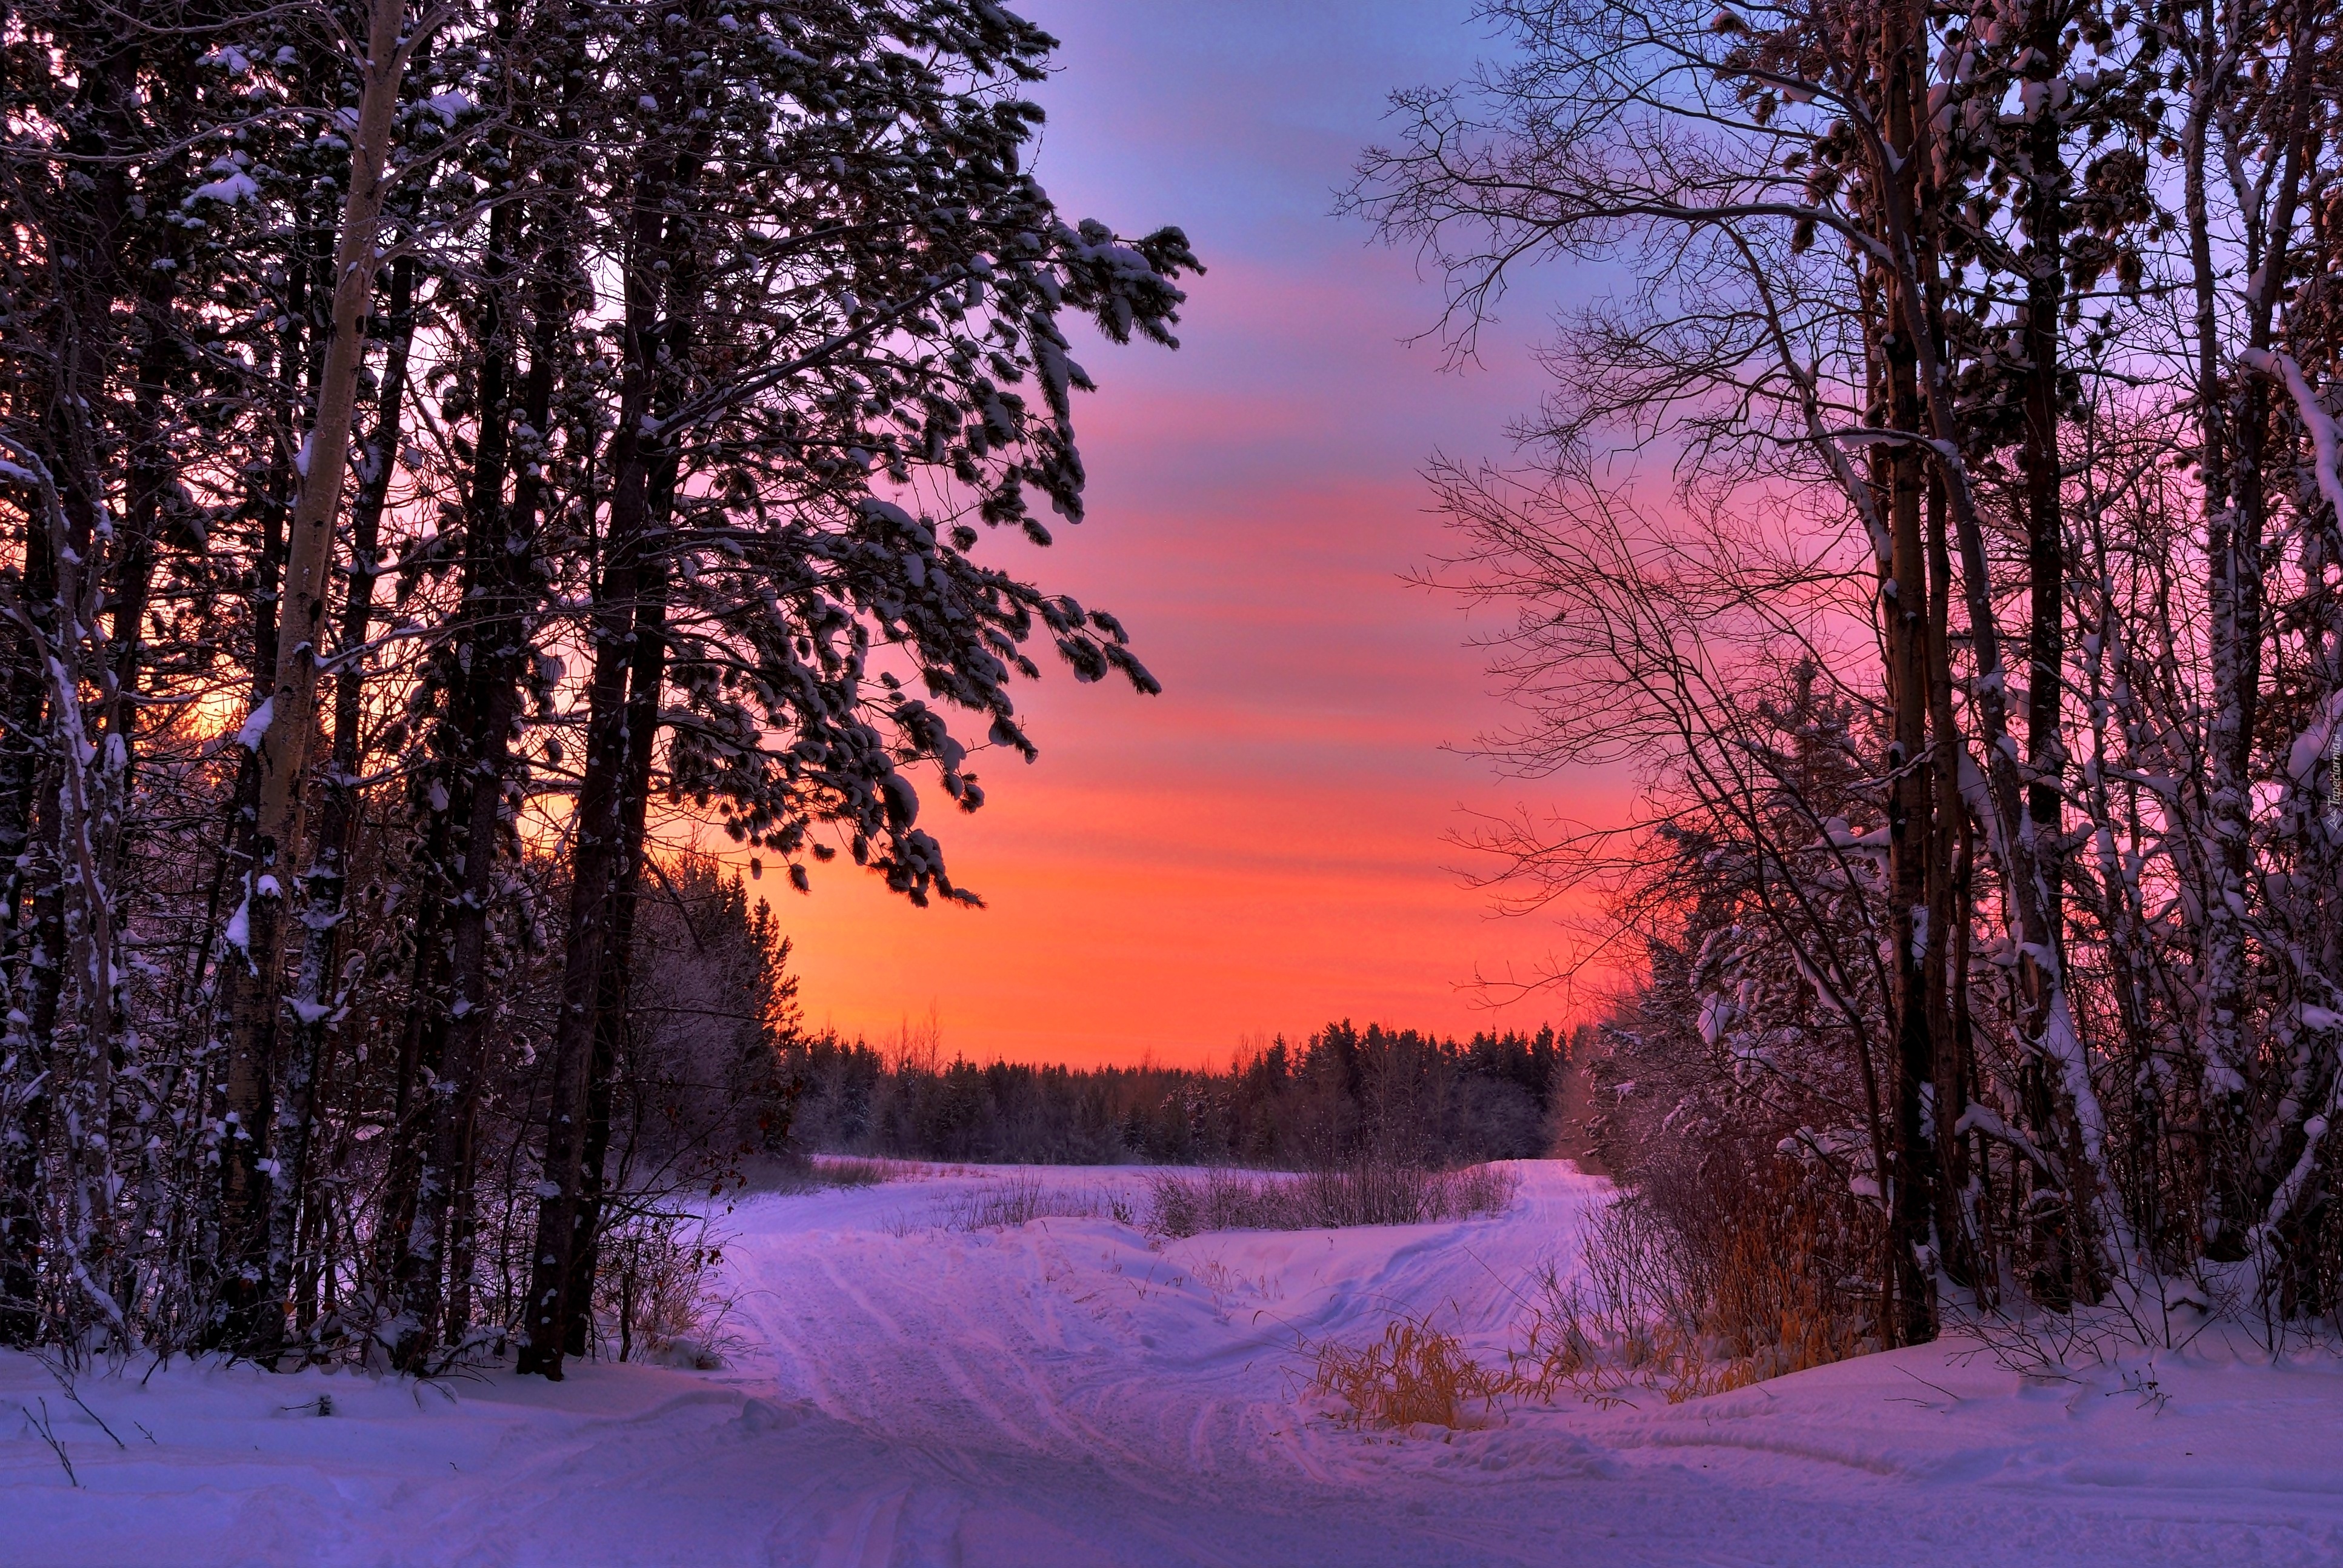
column 49, row 1436
column 65, row 1383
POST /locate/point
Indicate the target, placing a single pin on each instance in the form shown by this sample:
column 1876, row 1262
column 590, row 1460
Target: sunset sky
column 1260, row 848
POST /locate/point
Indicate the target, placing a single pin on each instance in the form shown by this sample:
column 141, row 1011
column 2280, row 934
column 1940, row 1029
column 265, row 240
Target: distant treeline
column 1345, row 1094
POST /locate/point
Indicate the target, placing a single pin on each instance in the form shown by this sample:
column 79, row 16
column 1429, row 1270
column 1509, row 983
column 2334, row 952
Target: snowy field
column 1062, row 1392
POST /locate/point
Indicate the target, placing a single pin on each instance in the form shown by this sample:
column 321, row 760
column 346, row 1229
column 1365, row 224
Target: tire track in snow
column 883, row 1361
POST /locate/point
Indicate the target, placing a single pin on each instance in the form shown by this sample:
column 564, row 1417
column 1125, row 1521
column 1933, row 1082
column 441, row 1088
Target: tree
column 1905, row 278
column 632, row 421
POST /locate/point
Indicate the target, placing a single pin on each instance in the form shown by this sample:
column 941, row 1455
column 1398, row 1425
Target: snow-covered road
column 1062, row 1392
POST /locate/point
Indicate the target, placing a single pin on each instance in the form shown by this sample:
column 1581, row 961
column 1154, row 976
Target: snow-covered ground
column 1063, row 1393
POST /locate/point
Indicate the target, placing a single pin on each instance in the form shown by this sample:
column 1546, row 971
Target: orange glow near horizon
column 1263, row 848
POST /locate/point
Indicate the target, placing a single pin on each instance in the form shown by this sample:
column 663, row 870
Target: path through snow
column 1062, row 1392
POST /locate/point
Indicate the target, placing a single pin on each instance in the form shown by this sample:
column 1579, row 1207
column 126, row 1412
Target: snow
column 254, row 728
column 2326, row 436
column 1062, row 1392
column 240, row 927
column 2317, row 740
column 236, row 187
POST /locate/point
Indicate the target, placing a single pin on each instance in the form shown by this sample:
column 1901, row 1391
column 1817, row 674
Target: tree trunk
column 2059, row 1273
column 611, row 1036
column 1909, row 1188
column 638, row 460
column 284, row 745
column 1946, row 980
column 505, row 590
column 32, row 936
column 326, row 885
column 482, row 706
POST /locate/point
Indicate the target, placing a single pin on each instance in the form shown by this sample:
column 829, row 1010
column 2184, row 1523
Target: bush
column 1686, row 1314
column 656, row 1294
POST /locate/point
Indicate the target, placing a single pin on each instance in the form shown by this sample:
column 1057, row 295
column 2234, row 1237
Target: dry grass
column 795, row 1174
column 1415, row 1374
column 1021, row 1200
column 1634, row 1326
column 853, row 1170
column 1648, row 1317
column 1186, row 1204
column 1653, row 1310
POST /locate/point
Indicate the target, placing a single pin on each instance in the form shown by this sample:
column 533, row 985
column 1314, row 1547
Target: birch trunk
column 284, row 741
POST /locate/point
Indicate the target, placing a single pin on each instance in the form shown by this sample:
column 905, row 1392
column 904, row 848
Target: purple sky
column 1259, row 849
